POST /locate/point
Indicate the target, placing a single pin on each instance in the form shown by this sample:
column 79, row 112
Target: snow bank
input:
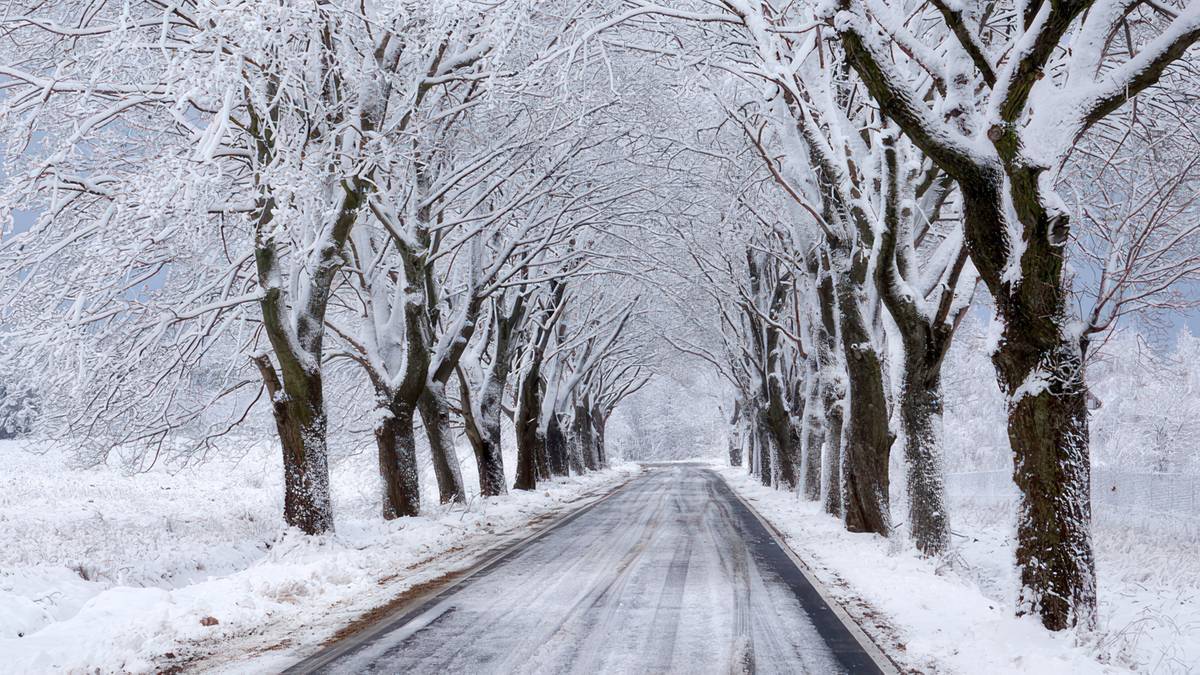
column 103, row 572
column 957, row 616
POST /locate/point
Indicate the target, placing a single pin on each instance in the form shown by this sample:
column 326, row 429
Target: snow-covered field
column 103, row 572
column 956, row 616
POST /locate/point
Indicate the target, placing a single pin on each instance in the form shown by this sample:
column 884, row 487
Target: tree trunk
column 765, row 455
column 735, row 436
column 831, row 471
column 832, row 390
column 868, row 439
column 298, row 405
column 397, row 446
column 488, row 455
column 1039, row 365
column 599, row 424
column 583, row 432
column 921, row 414
column 783, row 436
column 556, row 447
column 575, row 451
column 435, row 413
column 302, row 425
column 753, row 465
column 530, row 442
column 1047, row 427
column 812, row 435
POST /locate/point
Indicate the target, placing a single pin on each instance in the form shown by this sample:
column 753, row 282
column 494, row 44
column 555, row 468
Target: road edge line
column 870, row 646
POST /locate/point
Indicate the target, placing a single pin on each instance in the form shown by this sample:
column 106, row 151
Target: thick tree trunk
column 488, row 455
column 831, row 470
column 766, row 458
column 812, row 436
column 1039, row 365
column 557, row 449
column 868, row 440
column 831, row 389
column 735, row 436
column 599, row 424
column 435, row 413
column 582, row 424
column 921, row 414
column 482, row 427
column 528, row 440
column 531, row 445
column 397, row 447
column 298, row 406
column 783, row 435
column 812, row 433
column 1047, row 427
column 753, row 465
column 575, row 452
column 302, row 426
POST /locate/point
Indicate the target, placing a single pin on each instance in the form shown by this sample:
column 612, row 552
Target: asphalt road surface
column 671, row 574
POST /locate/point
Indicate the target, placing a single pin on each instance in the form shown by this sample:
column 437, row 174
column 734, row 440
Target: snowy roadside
column 958, row 618
column 108, row 573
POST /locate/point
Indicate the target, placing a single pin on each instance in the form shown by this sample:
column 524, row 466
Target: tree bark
column 812, row 433
column 599, row 424
column 868, row 439
column 397, row 448
column 486, row 443
column 735, row 436
column 556, row 447
column 766, row 463
column 574, row 450
column 1048, row 428
column 782, row 431
column 582, row 424
column 298, row 407
column 831, row 386
column 921, row 414
column 531, row 443
column 435, row 413
column 831, row 471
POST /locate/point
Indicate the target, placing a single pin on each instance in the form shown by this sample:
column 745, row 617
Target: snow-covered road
column 670, row 574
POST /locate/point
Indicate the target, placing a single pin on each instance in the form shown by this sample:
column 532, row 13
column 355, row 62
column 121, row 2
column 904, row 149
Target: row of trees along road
column 223, row 204
column 512, row 209
column 883, row 158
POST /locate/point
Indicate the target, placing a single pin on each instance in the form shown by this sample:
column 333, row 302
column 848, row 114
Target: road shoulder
column 856, row 647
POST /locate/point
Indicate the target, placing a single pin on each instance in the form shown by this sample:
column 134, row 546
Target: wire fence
column 1114, row 492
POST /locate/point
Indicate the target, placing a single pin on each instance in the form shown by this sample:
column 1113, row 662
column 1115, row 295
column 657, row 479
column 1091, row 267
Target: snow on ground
column 956, row 616
column 103, row 572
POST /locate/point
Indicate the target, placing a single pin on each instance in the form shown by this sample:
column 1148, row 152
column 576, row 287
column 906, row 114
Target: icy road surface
column 671, row 574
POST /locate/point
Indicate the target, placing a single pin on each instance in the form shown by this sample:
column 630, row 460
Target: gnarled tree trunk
column 398, row 462
column 868, row 440
column 299, row 410
column 484, row 435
